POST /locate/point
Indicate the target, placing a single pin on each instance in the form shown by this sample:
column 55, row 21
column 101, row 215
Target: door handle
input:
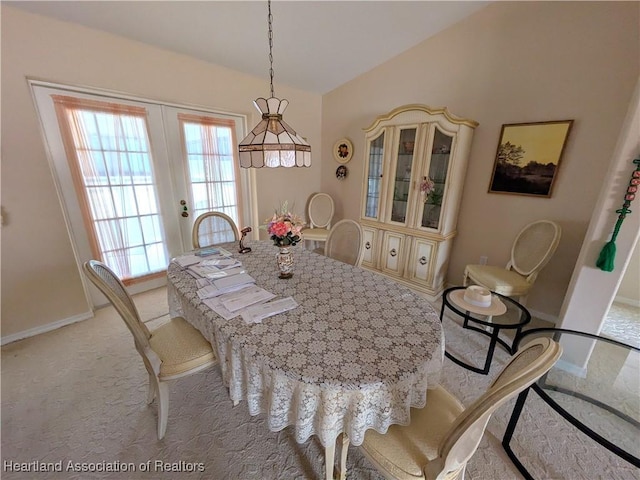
column 185, row 209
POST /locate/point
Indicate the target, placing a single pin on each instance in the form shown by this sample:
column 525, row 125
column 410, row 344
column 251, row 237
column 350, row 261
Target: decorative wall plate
column 341, row 172
column 343, row 150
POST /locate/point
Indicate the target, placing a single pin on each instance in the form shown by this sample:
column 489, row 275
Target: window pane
column 101, row 202
column 151, row 229
column 146, row 199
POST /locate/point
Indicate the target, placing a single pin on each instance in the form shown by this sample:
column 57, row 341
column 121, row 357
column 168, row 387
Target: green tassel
column 607, row 255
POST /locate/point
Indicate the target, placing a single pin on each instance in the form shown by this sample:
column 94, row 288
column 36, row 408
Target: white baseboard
column 627, row 301
column 45, row 328
column 580, row 372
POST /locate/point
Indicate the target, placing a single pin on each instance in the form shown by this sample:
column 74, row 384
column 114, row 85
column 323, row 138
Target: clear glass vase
column 285, row 262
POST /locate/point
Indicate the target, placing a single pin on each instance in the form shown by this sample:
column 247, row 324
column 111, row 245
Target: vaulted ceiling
column 317, row 45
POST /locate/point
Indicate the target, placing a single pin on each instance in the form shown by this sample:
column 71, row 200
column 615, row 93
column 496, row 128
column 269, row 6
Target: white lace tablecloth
column 357, row 353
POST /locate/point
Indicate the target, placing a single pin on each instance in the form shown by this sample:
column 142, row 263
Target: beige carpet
column 78, row 394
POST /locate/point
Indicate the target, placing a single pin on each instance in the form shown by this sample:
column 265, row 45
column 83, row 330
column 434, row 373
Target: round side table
column 515, row 317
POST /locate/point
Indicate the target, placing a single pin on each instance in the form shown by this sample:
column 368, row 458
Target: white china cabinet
column 415, row 164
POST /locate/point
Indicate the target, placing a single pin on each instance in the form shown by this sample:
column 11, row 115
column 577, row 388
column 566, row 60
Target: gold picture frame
column 528, row 157
column 343, row 150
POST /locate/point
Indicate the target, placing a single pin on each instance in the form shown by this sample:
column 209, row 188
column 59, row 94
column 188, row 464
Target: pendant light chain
column 273, row 143
column 270, row 18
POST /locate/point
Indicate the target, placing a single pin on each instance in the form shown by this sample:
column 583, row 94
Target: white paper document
column 257, row 313
column 209, row 291
column 221, row 263
column 186, row 260
column 210, row 271
column 243, row 298
column 240, row 279
column 216, row 305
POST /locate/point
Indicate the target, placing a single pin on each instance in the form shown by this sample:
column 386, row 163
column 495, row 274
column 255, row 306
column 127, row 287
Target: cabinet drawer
column 421, row 260
column 392, row 254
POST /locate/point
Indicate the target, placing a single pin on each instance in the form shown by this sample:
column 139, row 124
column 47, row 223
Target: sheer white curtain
column 209, row 144
column 108, row 149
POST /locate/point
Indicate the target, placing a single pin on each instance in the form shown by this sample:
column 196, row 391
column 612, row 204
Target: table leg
column 329, row 459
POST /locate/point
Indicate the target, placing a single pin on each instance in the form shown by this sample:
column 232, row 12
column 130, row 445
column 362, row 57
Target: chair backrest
column 527, row 365
column 344, row 242
column 320, row 210
column 212, row 228
column 534, row 246
column 108, row 283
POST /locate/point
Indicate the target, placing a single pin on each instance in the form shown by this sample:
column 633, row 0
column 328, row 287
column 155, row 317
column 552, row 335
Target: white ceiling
column 317, row 45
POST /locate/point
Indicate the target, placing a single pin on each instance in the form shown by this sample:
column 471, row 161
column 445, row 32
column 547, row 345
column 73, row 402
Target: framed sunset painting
column 528, row 157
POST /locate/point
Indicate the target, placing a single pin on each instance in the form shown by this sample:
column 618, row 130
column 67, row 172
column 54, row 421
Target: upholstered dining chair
column 320, row 213
column 171, row 351
column 531, row 251
column 212, row 228
column 344, row 242
column 443, row 436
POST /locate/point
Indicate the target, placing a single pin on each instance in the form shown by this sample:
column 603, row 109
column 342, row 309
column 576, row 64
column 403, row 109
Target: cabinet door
column 401, row 178
column 438, row 165
column 392, row 255
column 373, row 178
column 421, row 260
column 369, row 246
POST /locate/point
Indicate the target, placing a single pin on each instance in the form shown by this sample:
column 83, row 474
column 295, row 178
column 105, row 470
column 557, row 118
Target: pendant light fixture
column 273, row 143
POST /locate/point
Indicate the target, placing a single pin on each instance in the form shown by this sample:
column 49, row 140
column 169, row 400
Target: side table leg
column 492, row 347
column 508, row 434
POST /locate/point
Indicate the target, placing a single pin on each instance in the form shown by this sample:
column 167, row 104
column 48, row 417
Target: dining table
column 358, row 351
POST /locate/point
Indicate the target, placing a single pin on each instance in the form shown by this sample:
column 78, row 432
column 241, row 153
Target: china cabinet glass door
column 402, row 175
column 438, row 168
column 374, row 177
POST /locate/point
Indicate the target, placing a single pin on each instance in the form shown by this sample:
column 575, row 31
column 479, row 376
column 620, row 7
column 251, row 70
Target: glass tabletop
column 515, row 316
column 597, row 383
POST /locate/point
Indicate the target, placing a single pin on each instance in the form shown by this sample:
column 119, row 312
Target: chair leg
column 152, row 388
column 163, row 408
column 343, row 456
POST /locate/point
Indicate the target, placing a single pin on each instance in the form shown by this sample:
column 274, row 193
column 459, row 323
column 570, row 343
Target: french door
column 133, row 175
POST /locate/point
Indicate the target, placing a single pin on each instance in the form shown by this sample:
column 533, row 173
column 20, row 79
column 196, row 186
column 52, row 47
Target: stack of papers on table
column 231, row 304
column 207, row 251
column 221, row 286
column 228, row 290
column 186, row 260
column 212, row 271
column 257, row 313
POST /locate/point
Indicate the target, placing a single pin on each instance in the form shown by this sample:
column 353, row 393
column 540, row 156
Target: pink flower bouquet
column 284, row 227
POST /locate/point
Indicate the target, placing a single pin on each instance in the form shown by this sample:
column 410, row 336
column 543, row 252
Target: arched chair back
column 213, row 228
column 344, row 242
column 526, row 366
column 534, row 246
column 173, row 350
column 320, row 212
column 530, row 252
column 443, row 436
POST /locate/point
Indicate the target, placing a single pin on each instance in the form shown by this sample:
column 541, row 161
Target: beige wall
column 41, row 283
column 511, row 62
column 629, row 290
